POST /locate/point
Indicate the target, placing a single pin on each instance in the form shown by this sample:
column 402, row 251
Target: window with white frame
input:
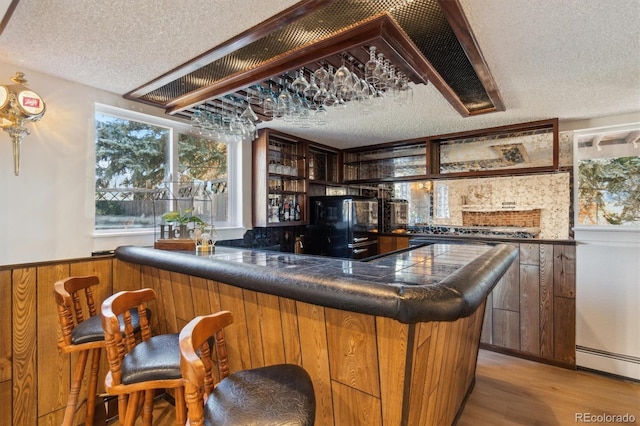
column 146, row 166
column 608, row 176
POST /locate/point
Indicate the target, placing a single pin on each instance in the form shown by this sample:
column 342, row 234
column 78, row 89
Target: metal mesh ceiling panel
column 422, row 20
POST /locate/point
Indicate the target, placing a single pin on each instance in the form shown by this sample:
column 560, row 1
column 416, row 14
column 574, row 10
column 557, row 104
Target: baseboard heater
column 626, row 366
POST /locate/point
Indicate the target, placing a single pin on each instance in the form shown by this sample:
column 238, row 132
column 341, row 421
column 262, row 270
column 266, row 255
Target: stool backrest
column 119, row 341
column 70, row 308
column 197, row 359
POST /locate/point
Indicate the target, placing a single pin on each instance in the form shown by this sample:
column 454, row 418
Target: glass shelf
column 391, row 162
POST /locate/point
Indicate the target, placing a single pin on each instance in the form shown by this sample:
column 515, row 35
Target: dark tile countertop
column 438, row 282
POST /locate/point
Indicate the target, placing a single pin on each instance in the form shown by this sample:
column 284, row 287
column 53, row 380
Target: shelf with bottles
column 279, row 179
column 286, row 208
column 396, row 160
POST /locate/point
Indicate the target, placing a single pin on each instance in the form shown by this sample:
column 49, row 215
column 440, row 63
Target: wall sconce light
column 18, row 105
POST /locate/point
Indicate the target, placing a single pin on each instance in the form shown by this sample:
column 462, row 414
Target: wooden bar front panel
column 366, row 370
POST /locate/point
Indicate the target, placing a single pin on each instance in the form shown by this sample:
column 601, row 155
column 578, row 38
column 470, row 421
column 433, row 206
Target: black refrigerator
column 342, row 226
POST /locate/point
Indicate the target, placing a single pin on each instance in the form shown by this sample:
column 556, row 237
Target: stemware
column 294, row 110
column 320, row 115
column 270, row 103
column 249, row 114
column 197, row 118
column 300, row 83
column 370, row 66
column 321, row 96
column 383, row 76
column 331, row 99
column 366, row 97
column 255, row 94
column 391, row 82
column 322, row 77
column 342, row 78
column 284, row 103
column 304, row 118
column 306, row 103
column 236, row 126
column 311, row 89
column 378, row 71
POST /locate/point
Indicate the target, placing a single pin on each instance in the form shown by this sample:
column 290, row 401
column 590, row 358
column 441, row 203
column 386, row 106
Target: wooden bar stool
column 139, row 367
column 273, row 395
column 79, row 334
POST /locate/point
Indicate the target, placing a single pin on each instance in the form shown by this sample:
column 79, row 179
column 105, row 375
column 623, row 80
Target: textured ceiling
column 556, row 58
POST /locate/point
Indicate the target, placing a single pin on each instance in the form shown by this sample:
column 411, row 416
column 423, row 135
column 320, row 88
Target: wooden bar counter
column 392, row 341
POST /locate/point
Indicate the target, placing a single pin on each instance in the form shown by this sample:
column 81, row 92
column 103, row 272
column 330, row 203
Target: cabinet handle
column 358, row 240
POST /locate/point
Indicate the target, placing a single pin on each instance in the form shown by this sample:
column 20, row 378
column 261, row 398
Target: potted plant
column 180, row 219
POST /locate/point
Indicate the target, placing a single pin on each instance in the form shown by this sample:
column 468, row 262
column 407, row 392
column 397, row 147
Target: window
column 608, row 176
column 143, row 162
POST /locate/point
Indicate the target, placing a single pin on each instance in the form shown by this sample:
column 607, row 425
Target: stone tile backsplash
column 548, row 192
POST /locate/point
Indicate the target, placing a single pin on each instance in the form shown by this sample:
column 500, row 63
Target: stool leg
column 76, row 383
column 147, row 409
column 93, row 386
column 132, row 409
column 123, row 399
column 181, row 407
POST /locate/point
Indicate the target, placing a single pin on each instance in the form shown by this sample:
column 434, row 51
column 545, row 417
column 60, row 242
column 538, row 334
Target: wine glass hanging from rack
column 306, row 99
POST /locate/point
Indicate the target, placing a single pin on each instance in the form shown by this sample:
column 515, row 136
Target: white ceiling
column 571, row 59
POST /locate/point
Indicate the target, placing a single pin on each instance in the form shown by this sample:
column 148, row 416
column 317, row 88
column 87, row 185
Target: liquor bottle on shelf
column 274, row 215
column 287, row 210
column 281, row 210
column 298, row 213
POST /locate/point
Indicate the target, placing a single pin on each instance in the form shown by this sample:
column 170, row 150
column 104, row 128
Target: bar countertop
column 438, row 282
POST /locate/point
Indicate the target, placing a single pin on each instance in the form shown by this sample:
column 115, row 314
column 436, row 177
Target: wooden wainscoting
column 34, row 377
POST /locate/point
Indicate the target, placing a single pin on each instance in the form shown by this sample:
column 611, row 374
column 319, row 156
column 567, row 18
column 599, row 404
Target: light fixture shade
column 30, row 104
column 4, row 97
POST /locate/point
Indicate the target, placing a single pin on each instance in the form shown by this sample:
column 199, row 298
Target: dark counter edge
column 457, row 296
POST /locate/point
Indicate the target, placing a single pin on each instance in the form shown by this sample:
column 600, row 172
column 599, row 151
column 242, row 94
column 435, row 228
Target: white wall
column 607, row 299
column 47, row 213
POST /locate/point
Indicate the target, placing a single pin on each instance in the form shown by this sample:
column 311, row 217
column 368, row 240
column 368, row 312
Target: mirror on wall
column 527, row 146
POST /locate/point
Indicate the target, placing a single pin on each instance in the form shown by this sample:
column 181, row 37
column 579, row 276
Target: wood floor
column 511, row 391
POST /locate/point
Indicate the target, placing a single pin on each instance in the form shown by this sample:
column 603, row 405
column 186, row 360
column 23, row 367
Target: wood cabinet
column 324, row 164
column 389, row 243
column 498, row 151
column 406, row 159
column 279, row 180
column 532, row 309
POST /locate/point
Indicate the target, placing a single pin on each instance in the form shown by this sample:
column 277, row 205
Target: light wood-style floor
column 511, row 391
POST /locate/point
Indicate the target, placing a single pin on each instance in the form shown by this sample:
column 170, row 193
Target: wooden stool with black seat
column 138, row 367
column 273, row 395
column 83, row 334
